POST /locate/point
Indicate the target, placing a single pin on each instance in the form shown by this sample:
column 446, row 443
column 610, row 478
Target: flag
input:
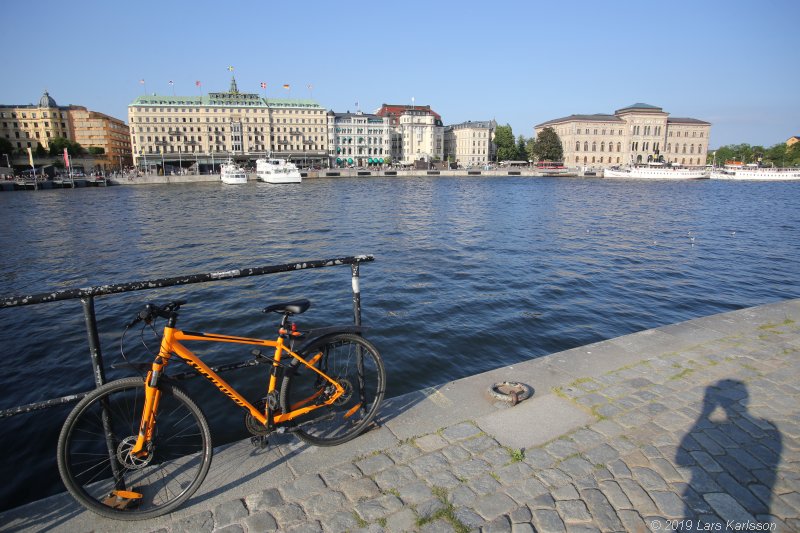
column 197, row 83
column 285, row 85
column 170, row 82
column 141, row 81
column 30, row 156
column 230, row 68
column 263, row 85
column 66, row 157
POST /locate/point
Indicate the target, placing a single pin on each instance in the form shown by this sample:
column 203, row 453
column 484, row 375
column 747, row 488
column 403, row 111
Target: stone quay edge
column 687, row 427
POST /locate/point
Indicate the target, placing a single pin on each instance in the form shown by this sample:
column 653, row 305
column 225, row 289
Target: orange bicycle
column 139, row 448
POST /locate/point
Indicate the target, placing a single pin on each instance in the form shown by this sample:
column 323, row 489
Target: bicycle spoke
column 176, row 462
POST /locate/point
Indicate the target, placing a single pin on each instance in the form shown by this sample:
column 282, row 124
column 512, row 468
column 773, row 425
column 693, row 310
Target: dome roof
column 47, row 101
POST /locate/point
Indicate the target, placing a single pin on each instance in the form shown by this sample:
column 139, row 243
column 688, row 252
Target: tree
column 39, row 151
column 547, row 146
column 97, row 150
column 5, row 148
column 506, row 147
column 58, row 144
column 776, row 156
column 522, row 153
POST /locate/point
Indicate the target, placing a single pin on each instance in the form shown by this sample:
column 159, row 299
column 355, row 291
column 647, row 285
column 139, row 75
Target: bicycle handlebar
column 151, row 311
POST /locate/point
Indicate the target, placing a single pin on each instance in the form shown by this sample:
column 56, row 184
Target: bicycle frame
column 171, row 344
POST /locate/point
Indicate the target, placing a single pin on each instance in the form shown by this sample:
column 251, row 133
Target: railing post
column 99, row 379
column 356, row 295
column 95, row 353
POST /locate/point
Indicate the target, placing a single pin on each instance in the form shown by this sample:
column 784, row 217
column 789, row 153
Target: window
column 577, row 146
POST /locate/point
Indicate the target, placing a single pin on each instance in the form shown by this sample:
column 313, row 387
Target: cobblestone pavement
column 703, row 438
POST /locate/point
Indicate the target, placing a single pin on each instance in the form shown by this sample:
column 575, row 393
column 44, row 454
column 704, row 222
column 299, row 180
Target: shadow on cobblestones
column 733, row 458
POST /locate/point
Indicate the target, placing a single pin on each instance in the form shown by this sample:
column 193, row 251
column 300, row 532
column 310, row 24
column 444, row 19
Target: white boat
column 656, row 171
column 232, row 174
column 274, row 170
column 739, row 171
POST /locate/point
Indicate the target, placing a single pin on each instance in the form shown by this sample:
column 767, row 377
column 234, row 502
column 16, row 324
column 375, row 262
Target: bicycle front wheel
column 355, row 364
column 94, row 457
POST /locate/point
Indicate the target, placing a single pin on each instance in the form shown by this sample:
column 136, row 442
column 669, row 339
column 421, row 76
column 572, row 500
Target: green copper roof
column 647, row 107
column 225, row 99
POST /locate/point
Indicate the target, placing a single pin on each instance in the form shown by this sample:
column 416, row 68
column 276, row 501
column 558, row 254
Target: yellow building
column 93, row 129
column 186, row 130
column 633, row 134
column 470, row 143
column 27, row 126
column 792, row 140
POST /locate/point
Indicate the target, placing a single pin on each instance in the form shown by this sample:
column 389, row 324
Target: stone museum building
column 635, row 134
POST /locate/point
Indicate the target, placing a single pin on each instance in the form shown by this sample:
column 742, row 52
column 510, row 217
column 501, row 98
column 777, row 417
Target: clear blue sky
column 732, row 63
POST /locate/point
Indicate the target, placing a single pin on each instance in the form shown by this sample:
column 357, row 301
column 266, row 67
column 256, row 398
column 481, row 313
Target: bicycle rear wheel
column 356, row 365
column 118, row 485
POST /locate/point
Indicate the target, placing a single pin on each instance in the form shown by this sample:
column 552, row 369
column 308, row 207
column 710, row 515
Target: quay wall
column 338, row 173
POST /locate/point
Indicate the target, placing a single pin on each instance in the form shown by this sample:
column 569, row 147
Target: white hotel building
column 200, row 129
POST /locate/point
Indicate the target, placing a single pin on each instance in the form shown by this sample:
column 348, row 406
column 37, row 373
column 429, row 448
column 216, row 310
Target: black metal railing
column 87, row 296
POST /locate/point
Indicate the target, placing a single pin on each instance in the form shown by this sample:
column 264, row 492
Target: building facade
column 28, row 126
column 418, row 130
column 470, row 143
column 181, row 130
column 93, row 129
column 635, row 134
column 359, row 139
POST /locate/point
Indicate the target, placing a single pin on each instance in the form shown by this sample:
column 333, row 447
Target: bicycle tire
column 177, row 465
column 350, row 415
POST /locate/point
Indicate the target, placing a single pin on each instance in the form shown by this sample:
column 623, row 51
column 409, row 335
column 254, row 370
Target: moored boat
column 275, row 170
column 232, row 174
column 738, row 171
column 656, row 171
column 551, row 168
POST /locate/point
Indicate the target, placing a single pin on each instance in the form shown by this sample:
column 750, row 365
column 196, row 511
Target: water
column 470, row 274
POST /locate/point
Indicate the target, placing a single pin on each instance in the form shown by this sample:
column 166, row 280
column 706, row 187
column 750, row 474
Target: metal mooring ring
column 512, row 392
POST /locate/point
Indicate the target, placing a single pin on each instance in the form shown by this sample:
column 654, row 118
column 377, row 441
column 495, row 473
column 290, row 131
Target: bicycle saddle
column 294, row 307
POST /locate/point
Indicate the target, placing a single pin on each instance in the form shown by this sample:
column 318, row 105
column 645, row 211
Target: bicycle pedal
column 260, row 442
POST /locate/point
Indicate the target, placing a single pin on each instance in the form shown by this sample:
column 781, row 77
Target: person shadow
column 733, row 458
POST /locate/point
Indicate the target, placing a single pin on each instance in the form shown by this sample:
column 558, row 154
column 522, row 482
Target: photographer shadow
column 733, row 458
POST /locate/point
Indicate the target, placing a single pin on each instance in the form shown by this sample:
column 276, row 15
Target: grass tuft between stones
column 446, row 513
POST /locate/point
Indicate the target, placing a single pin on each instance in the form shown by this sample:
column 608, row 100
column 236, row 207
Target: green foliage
column 39, row 151
column 778, row 155
column 97, row 150
column 517, row 455
column 522, row 153
column 547, row 146
column 58, row 144
column 6, row 148
column 506, row 147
